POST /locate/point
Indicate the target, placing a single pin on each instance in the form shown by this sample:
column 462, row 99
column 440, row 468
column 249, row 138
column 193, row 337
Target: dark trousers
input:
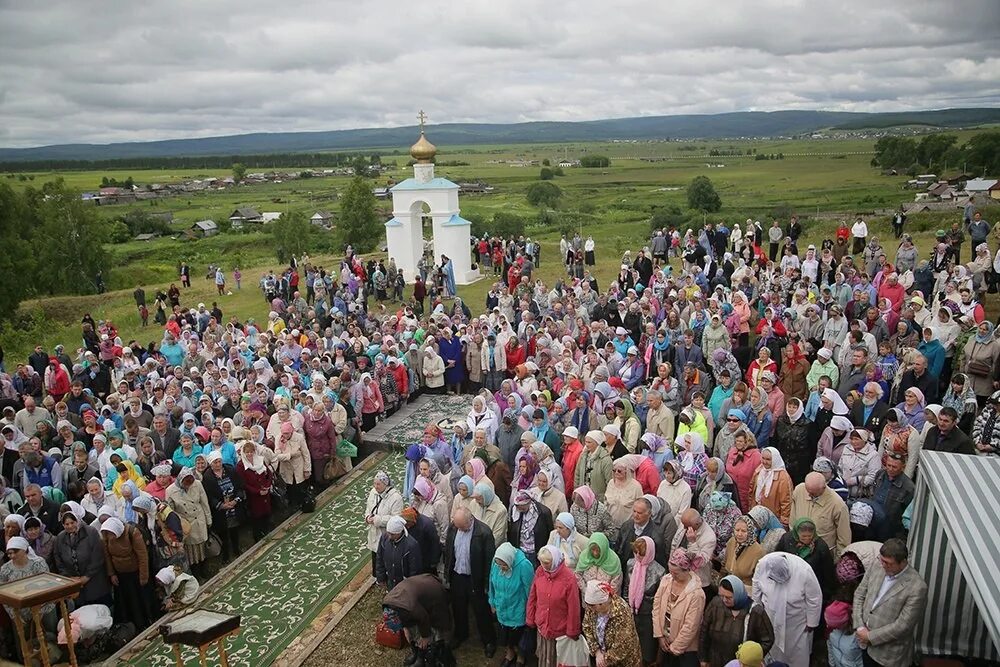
column 689, row 659
column 461, row 595
column 772, row 251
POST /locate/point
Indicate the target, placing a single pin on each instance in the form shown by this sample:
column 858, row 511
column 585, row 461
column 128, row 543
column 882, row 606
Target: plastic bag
column 345, row 448
column 572, row 652
column 86, row 622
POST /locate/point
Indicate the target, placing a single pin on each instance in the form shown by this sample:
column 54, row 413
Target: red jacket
column 554, row 603
column 742, row 472
column 258, row 504
column 321, row 437
column 402, row 378
column 648, row 477
column 570, row 455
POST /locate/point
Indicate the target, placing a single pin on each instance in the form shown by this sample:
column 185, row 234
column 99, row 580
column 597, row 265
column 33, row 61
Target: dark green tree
column 983, row 154
column 546, row 174
column 543, row 194
column 239, row 171
column 933, row 147
column 293, row 236
column 74, row 235
column 701, row 195
column 17, row 259
column 359, row 223
column 595, row 161
column 668, row 216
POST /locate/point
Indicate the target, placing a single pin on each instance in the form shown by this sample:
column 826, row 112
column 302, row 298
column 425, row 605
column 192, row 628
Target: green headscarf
column 608, row 560
column 804, row 550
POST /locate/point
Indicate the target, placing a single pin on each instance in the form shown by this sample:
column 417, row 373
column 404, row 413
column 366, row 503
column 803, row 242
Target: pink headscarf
column 637, row 581
column 478, row 469
column 586, row 495
column 426, row 490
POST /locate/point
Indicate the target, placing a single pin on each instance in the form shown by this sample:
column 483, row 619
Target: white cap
column 621, row 331
column 633, row 350
column 611, row 429
column 824, row 352
column 571, row 432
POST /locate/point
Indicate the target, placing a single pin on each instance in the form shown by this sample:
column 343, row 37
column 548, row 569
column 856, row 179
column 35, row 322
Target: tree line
column 938, row 152
column 53, row 244
column 262, row 161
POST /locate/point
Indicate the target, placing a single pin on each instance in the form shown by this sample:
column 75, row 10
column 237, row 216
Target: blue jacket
column 509, row 591
column 934, row 351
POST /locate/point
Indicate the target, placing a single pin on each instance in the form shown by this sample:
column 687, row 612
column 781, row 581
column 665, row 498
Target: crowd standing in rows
column 693, row 464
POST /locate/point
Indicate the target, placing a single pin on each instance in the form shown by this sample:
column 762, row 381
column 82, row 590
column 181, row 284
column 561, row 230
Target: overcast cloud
column 74, row 71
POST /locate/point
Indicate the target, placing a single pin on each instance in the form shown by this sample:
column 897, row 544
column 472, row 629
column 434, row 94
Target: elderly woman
column 511, row 576
column 721, row 516
column 802, row 541
column 692, row 457
column 608, row 627
column 257, row 480
column 426, row 500
column 913, row 407
column 642, row 579
column 321, row 442
column 463, row 496
column 429, row 469
column 291, row 455
column 79, row 552
column 529, row 526
column 179, row 588
column 674, row 489
column 731, row 619
column 187, row 498
column 598, row 562
column 553, row 604
column 985, row 430
column 551, row 497
column 384, row 502
column 787, row 588
column 859, row 464
column 97, row 498
column 678, row 607
column 128, row 568
column 716, row 479
column 227, row 498
column 490, row 510
column 22, row 563
column 769, row 529
column 565, row 538
column 771, row 486
column 591, row 515
column 622, row 492
column 742, row 552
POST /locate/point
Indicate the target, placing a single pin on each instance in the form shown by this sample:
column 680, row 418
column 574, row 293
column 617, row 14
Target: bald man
column 695, row 535
column 815, row 500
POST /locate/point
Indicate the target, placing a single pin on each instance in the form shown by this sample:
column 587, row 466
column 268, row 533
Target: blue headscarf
column 740, row 598
column 469, row 484
column 543, row 430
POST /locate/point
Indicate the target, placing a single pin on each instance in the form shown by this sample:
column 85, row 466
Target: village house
column 204, row 228
column 243, row 216
column 269, row 216
column 322, row 219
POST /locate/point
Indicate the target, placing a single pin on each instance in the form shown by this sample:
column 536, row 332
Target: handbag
column 572, row 652
column 334, row 469
column 978, row 367
column 308, row 499
column 389, row 631
column 213, row 548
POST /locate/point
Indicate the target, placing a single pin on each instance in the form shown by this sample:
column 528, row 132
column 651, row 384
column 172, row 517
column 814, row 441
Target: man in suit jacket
column 869, row 412
column 888, row 606
column 468, row 557
column 165, row 437
column 642, row 525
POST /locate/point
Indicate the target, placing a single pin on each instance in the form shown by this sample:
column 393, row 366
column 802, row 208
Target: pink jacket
column 742, row 472
column 321, row 437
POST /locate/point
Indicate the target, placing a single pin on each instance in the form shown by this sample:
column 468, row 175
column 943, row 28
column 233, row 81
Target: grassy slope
column 830, row 178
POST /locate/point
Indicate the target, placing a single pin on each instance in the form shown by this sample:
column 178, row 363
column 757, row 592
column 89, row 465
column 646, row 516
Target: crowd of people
column 704, row 461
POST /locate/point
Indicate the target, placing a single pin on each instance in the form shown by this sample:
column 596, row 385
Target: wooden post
column 69, row 634
column 223, row 659
column 201, row 657
column 26, row 652
column 177, row 655
column 43, row 644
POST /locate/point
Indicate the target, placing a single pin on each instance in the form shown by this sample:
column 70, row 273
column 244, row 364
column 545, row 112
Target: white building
column 424, row 195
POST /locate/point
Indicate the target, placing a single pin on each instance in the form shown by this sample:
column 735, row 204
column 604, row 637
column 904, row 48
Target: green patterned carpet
column 408, row 430
column 281, row 592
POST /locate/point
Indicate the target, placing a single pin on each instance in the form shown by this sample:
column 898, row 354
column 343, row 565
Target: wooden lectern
column 31, row 593
column 200, row 629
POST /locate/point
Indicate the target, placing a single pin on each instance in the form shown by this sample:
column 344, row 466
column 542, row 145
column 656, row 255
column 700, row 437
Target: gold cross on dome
column 422, row 117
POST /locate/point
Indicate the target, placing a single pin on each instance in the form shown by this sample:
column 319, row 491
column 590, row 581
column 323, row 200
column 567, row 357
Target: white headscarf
column 839, row 407
column 765, row 476
column 254, row 462
column 113, row 525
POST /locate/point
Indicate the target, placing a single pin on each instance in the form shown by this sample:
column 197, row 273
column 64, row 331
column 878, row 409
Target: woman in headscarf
column 963, row 399
column 227, row 498
column 898, row 437
column 830, row 405
column 10, row 499
column 179, row 588
column 426, row 500
column 608, row 627
column 678, row 607
column 769, row 529
column 187, row 498
column 79, row 552
column 599, row 562
column 742, row 551
column 759, row 418
column 835, row 438
column 772, row 486
column 490, row 511
column 553, row 604
column 731, row 619
column 986, row 429
column 463, row 496
column 257, row 479
column 978, row 359
column 715, row 479
column 591, row 515
column 128, row 567
column 692, row 457
column 511, row 576
column 530, row 524
column 742, row 462
column 430, row 470
column 912, row 407
column 642, row 579
column 21, row 563
column 721, row 516
column 792, row 379
column 802, row 541
column 566, row 538
column 787, row 588
column 791, row 439
column 480, row 416
column 622, row 492
column 627, row 423
column 674, row 489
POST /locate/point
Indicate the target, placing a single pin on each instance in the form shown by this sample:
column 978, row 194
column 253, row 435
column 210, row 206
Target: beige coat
column 829, row 513
column 381, row 509
column 685, row 614
column 989, row 353
column 473, row 361
column 661, row 422
column 499, row 357
column 434, row 371
column 193, row 506
column 292, row 457
column 494, row 516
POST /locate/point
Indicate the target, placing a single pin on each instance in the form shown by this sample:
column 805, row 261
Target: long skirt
column 132, row 601
column 546, row 652
column 368, row 420
column 196, row 553
column 588, row 258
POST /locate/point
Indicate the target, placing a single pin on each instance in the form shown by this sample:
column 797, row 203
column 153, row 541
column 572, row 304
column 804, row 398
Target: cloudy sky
column 74, row 71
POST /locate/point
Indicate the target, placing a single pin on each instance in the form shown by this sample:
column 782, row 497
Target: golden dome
column 423, row 150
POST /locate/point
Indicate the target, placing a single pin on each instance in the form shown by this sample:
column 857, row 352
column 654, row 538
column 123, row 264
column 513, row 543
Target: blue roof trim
column 456, row 221
column 395, row 222
column 433, row 184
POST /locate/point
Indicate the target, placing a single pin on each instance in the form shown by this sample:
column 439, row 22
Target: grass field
column 613, row 204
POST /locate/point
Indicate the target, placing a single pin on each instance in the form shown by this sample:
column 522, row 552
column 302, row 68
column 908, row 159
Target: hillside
column 727, row 125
